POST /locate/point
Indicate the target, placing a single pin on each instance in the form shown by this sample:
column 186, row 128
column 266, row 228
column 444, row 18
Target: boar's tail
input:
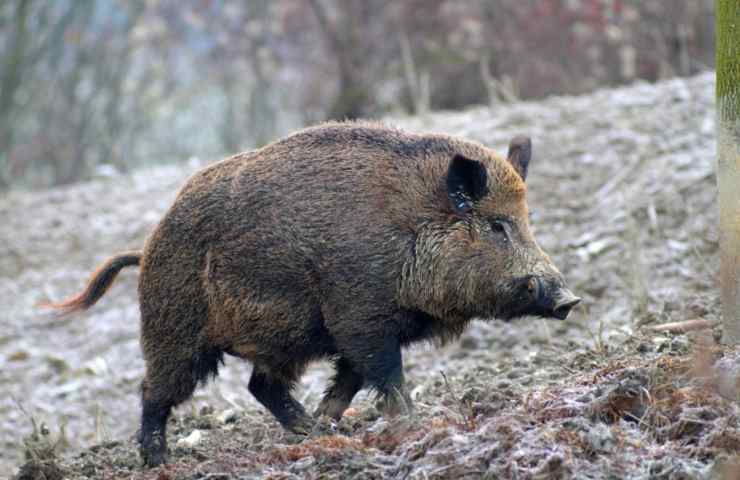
column 98, row 284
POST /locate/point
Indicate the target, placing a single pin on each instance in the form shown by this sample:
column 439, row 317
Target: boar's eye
column 500, row 228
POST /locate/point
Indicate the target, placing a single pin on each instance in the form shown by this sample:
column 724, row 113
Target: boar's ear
column 520, row 152
column 466, row 183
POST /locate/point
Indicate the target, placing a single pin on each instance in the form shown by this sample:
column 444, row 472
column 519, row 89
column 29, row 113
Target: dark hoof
column 154, row 452
column 324, row 426
column 154, row 459
column 303, row 426
column 331, row 408
column 395, row 403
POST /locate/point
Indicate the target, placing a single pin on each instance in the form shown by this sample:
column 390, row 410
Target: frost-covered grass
column 647, row 408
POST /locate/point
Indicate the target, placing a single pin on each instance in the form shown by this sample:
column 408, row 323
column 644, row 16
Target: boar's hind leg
column 152, row 437
column 345, row 384
column 170, row 379
column 274, row 393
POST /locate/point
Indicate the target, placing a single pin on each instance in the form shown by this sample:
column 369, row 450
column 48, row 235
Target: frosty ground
column 624, row 200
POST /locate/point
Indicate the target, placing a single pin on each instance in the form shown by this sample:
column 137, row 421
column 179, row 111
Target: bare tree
column 14, row 68
column 417, row 81
column 241, row 61
column 342, row 37
column 85, row 82
column 72, row 71
column 728, row 169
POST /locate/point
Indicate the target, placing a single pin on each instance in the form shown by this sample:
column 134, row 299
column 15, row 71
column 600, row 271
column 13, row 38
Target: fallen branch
column 685, row 326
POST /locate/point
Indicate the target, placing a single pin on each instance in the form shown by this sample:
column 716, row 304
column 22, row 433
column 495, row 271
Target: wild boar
column 345, row 240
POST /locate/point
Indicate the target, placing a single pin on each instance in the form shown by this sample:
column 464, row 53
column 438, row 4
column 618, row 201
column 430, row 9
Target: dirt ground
column 623, row 197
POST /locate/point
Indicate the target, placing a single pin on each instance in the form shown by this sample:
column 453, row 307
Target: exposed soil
column 624, row 200
column 644, row 409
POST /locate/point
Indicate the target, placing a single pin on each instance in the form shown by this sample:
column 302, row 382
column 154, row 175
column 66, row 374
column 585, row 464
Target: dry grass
column 618, row 409
column 332, row 446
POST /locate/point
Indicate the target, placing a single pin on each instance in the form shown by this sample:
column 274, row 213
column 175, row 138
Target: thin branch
column 685, row 326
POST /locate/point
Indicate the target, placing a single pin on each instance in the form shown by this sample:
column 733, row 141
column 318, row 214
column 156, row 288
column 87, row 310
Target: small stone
column 303, row 463
column 195, row 437
column 351, row 412
column 229, row 415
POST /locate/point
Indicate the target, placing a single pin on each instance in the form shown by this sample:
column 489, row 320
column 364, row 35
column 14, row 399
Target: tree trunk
column 728, row 164
column 10, row 81
column 353, row 96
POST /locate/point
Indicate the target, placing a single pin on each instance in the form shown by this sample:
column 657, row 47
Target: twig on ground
column 683, row 327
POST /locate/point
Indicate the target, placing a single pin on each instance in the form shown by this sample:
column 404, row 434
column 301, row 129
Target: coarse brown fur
column 345, row 240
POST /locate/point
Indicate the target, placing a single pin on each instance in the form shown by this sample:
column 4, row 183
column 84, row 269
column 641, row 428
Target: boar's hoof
column 324, row 426
column 154, row 457
column 395, row 403
column 330, row 407
column 155, row 460
column 303, row 425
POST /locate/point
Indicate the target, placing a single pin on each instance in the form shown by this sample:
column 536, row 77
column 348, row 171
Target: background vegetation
column 92, row 86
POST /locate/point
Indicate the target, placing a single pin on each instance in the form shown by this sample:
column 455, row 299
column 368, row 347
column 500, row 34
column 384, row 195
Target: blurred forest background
column 90, row 87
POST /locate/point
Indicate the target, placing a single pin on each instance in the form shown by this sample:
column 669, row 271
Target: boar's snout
column 553, row 299
column 566, row 301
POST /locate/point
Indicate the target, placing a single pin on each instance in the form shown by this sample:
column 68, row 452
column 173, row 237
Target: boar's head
column 480, row 258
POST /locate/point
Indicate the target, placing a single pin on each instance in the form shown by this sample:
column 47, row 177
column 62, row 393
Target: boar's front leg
column 273, row 392
column 344, row 386
column 386, row 376
column 373, row 349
